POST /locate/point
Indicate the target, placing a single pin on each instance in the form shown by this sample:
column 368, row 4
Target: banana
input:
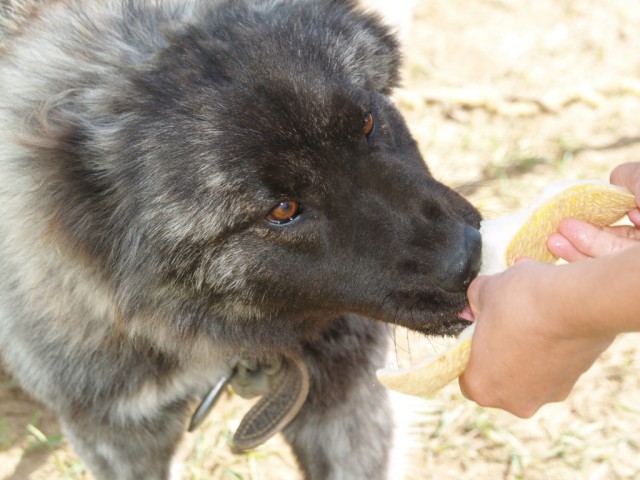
column 522, row 234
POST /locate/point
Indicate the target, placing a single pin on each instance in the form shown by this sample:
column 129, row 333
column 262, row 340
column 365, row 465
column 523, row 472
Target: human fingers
column 593, row 241
column 474, row 293
column 634, row 216
column 628, row 175
column 625, row 231
column 562, row 248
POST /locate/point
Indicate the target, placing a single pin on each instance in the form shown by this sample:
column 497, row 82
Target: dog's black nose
column 464, row 261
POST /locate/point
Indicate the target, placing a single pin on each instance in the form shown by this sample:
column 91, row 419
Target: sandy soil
column 504, row 96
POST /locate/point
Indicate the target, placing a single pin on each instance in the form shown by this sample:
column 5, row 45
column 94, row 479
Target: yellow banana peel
column 598, row 204
column 433, row 372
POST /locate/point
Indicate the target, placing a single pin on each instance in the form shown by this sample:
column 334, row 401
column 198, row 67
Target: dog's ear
column 367, row 47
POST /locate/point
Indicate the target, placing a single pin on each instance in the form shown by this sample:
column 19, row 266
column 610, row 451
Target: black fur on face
column 165, row 173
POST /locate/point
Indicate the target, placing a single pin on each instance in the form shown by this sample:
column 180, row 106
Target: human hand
column 526, row 350
column 576, row 240
column 539, row 327
column 628, row 175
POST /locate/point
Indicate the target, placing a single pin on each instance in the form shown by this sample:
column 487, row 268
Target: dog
column 187, row 186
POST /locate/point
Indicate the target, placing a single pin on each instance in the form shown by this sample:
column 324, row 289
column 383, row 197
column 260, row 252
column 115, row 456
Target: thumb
column 474, row 293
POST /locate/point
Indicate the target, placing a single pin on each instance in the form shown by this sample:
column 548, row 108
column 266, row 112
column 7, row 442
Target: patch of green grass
column 68, row 469
column 10, row 384
column 6, row 439
column 40, row 441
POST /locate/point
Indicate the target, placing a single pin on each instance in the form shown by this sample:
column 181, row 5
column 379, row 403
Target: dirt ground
column 504, row 96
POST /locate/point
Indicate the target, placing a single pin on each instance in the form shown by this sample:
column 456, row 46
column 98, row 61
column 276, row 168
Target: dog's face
column 257, row 179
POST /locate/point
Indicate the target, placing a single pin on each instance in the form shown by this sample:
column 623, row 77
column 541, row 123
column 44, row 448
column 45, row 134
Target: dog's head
column 252, row 175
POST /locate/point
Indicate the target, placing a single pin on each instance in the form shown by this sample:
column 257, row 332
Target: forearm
column 600, row 294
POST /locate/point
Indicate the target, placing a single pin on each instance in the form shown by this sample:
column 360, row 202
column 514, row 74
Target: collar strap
column 271, row 413
column 276, row 408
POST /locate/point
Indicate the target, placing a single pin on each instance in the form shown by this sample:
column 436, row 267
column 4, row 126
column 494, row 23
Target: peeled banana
column 522, row 234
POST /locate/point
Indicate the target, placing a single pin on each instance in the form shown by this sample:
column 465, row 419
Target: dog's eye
column 367, row 128
column 283, row 212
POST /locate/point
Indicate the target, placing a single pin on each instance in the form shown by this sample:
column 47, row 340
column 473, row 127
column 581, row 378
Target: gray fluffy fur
column 142, row 144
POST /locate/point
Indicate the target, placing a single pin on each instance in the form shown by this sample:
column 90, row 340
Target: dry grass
column 504, row 96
